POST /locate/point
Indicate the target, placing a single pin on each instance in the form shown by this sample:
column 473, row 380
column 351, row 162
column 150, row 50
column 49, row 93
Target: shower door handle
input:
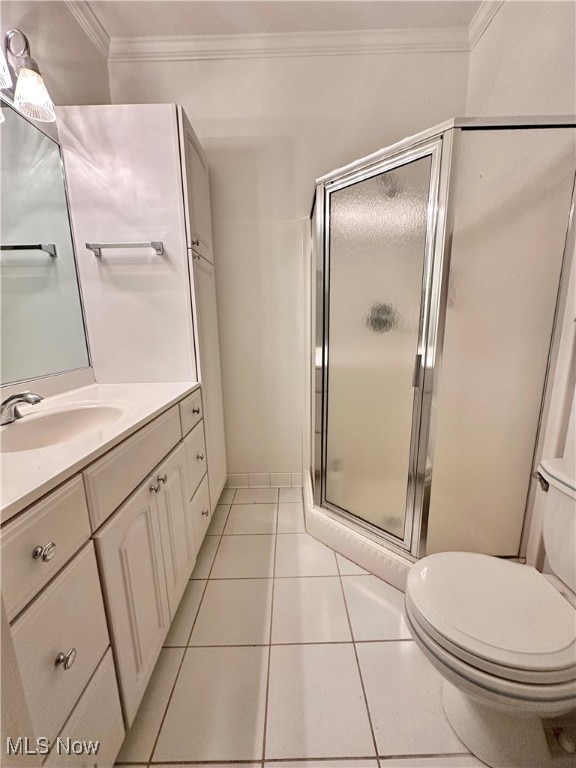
column 416, row 371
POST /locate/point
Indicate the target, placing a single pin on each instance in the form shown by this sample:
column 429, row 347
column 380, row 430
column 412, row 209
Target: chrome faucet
column 9, row 410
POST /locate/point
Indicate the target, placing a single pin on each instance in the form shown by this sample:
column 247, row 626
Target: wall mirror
column 41, row 319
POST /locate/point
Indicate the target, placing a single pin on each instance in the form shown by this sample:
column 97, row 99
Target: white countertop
column 28, row 475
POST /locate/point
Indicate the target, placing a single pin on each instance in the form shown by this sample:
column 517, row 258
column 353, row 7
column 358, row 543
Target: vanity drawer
column 58, row 525
column 195, row 457
column 200, row 511
column 96, row 717
column 191, row 411
column 68, row 615
column 112, row 478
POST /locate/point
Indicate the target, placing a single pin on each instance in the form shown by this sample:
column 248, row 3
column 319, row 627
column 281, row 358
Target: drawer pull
column 196, row 411
column 155, row 488
column 46, row 553
column 200, row 456
column 205, row 512
column 162, row 478
column 66, row 659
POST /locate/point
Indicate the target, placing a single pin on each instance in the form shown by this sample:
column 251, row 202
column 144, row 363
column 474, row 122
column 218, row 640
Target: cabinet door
column 196, row 190
column 206, row 323
column 176, row 531
column 200, row 512
column 129, row 551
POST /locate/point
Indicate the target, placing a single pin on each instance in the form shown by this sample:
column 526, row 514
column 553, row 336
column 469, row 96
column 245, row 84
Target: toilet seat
column 500, row 617
column 554, row 697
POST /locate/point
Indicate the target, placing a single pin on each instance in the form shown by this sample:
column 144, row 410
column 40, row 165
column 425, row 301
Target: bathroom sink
column 61, row 424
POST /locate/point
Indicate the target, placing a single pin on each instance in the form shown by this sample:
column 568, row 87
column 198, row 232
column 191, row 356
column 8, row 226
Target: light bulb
column 5, row 77
column 32, row 98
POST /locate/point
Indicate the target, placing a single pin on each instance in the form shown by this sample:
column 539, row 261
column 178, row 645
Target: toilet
column 503, row 636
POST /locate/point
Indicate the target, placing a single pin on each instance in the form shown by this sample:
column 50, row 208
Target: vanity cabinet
column 120, row 541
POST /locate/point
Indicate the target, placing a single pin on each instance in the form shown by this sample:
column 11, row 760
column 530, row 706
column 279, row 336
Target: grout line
column 184, row 654
column 270, row 642
column 305, row 642
column 357, row 662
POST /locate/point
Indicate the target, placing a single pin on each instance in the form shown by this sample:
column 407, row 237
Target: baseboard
column 265, row 480
column 373, row 557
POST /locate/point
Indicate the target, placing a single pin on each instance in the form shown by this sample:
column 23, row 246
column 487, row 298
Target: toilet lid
column 496, row 610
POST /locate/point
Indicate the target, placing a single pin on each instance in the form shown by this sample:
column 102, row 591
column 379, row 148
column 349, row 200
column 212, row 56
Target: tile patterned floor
column 284, row 654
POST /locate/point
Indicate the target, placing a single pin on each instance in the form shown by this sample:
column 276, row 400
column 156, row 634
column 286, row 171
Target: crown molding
column 89, row 22
column 198, row 47
column 482, row 20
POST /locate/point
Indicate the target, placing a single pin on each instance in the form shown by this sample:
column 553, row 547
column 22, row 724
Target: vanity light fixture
column 30, row 95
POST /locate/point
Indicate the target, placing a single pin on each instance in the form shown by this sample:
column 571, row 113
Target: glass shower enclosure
column 439, row 265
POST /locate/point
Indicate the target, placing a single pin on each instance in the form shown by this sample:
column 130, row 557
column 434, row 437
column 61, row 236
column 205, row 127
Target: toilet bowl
column 504, row 640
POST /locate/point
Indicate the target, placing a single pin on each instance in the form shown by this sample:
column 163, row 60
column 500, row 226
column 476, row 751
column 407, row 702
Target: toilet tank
column 559, row 528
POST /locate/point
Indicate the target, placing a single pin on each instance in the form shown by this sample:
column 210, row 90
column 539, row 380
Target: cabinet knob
column 162, row 478
column 155, row 488
column 196, row 411
column 205, row 512
column 66, row 659
column 196, row 242
column 200, row 456
column 45, row 553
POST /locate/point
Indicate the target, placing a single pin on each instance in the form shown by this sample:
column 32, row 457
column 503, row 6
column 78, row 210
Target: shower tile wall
column 284, row 651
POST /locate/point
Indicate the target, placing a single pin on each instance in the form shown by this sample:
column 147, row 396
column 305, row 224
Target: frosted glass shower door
column 377, row 274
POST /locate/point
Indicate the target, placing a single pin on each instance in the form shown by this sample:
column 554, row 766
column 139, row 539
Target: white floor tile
column 298, row 554
column 309, row 611
column 405, row 701
column 227, row 496
column 454, row 761
column 348, row 568
column 291, row 517
column 315, row 703
column 182, row 623
column 205, row 558
column 234, row 612
column 139, row 741
column 256, row 496
column 244, row 556
column 205, row 765
column 376, row 609
column 219, row 517
column 217, row 710
column 290, row 494
column 251, row 518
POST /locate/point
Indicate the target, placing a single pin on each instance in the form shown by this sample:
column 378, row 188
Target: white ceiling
column 164, row 18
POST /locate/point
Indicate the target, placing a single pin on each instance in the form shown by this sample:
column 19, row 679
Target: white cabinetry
column 176, row 529
column 204, row 281
column 149, row 508
column 196, row 191
column 129, row 550
column 138, row 173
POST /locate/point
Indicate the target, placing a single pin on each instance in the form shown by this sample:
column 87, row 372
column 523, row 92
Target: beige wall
column 270, row 127
column 74, row 71
column 525, row 62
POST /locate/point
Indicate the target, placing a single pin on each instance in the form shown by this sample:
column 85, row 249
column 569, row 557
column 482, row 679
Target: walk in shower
column 440, row 264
